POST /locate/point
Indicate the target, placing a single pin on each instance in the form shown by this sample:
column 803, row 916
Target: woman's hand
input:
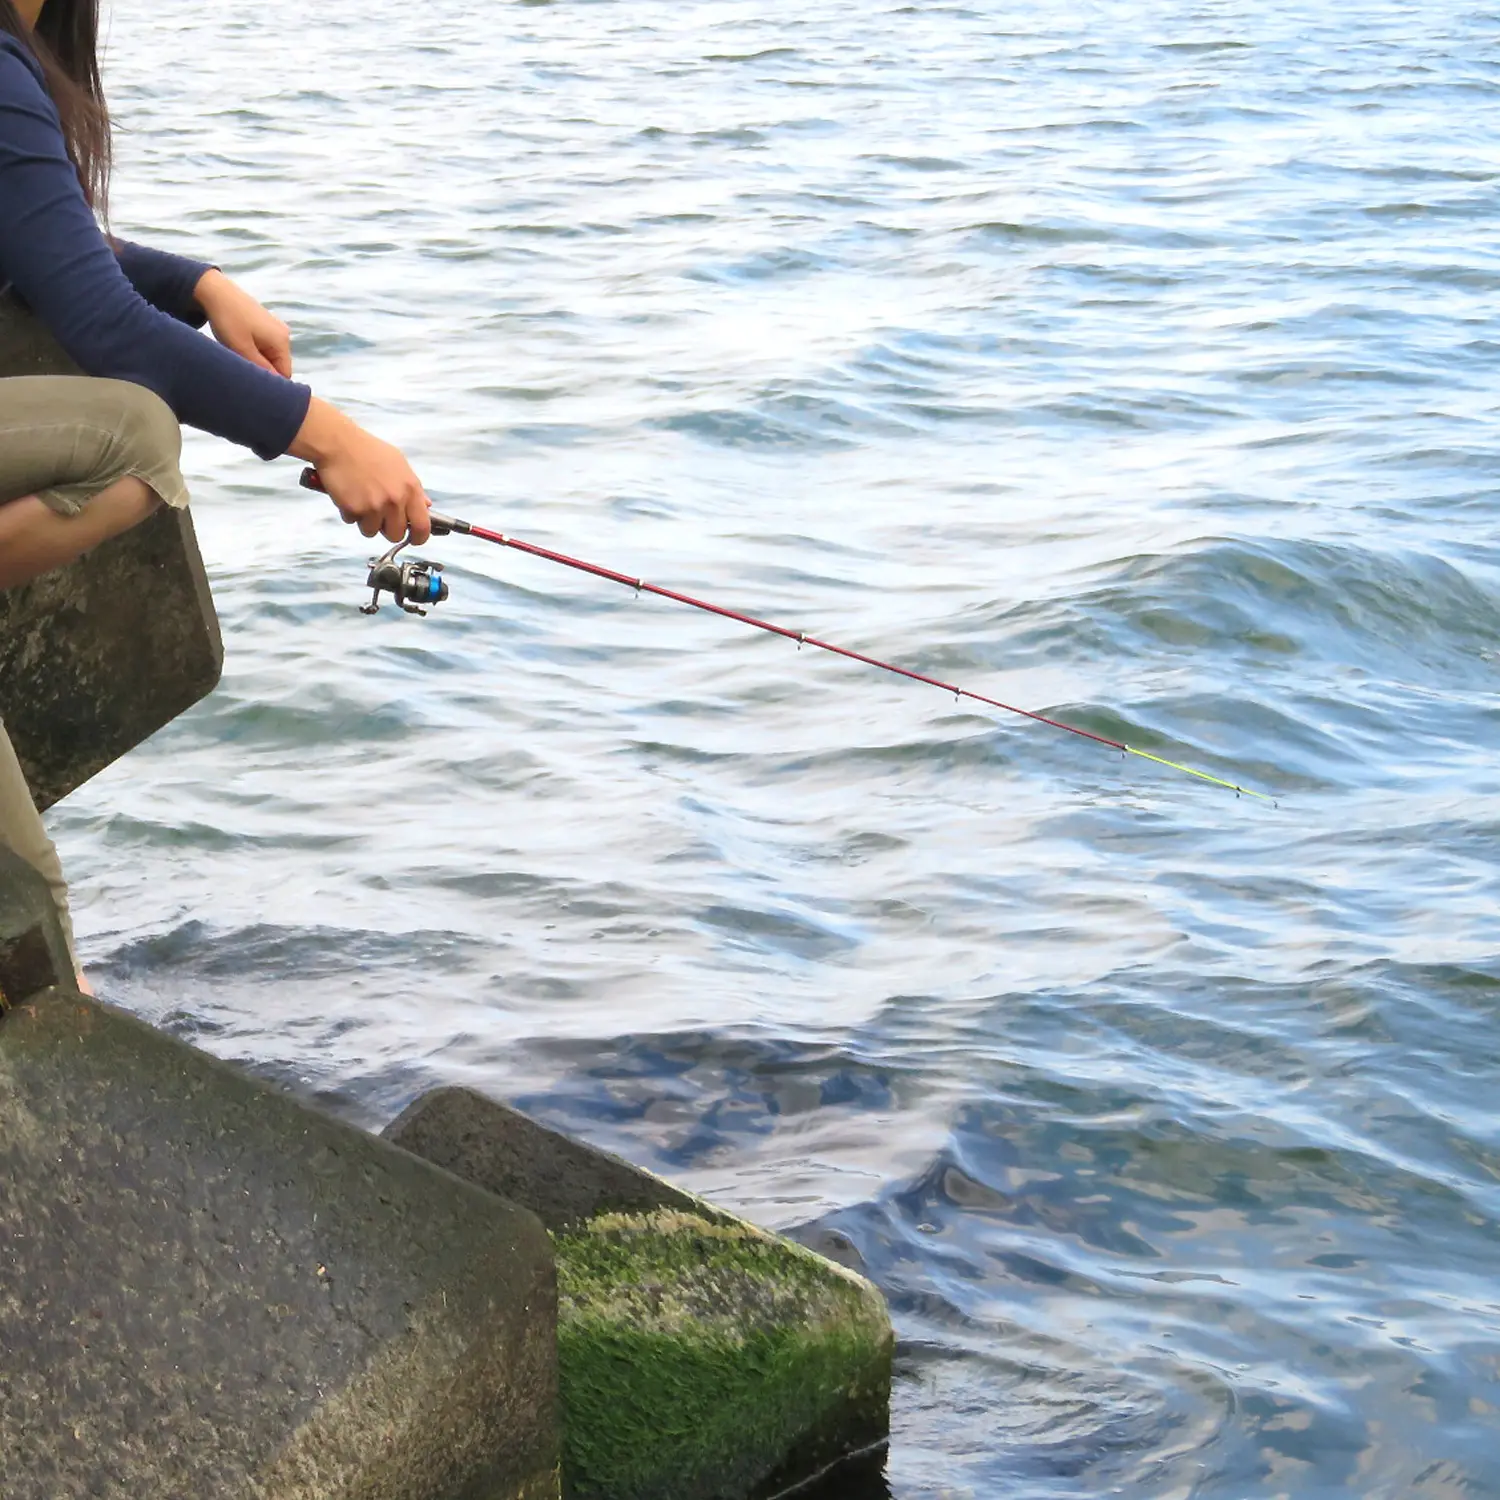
column 369, row 481
column 240, row 323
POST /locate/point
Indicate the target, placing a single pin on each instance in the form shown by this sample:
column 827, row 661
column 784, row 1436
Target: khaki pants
column 21, row 831
column 64, row 438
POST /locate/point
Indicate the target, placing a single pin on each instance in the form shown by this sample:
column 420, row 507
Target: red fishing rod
column 416, row 585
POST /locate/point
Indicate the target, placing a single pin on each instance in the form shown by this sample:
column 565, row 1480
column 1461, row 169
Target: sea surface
column 1132, row 361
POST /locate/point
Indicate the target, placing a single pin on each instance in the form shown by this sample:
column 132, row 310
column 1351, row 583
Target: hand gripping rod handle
column 441, row 525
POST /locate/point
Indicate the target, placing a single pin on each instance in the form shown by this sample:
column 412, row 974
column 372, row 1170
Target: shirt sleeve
column 166, row 281
column 57, row 259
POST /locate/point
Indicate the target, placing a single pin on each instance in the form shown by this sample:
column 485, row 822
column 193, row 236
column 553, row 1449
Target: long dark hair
column 66, row 44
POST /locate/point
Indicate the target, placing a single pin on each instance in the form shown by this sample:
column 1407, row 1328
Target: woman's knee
column 149, row 434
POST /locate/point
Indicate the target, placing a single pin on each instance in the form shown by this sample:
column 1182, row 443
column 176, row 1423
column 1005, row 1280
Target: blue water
column 1128, row 361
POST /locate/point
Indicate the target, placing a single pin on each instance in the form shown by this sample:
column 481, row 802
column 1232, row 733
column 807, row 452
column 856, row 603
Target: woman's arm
column 56, row 258
column 165, row 280
column 195, row 293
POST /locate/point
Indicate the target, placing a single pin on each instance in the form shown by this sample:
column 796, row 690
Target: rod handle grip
column 441, row 525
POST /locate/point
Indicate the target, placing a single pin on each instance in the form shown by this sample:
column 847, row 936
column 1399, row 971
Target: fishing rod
column 416, row 585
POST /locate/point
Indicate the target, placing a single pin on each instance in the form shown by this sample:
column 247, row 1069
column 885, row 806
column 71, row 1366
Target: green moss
column 700, row 1354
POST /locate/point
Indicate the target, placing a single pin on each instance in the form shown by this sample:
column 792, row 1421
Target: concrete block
column 702, row 1358
column 98, row 656
column 210, row 1292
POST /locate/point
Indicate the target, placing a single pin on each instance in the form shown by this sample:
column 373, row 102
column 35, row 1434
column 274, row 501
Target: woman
column 100, row 357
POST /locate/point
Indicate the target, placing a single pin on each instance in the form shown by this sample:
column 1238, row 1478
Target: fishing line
column 416, row 585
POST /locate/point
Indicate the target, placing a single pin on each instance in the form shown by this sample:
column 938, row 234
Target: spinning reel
column 411, row 584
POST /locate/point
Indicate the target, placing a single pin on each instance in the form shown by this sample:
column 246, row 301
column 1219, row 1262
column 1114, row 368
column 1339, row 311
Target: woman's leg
column 21, row 830
column 34, row 539
column 88, row 460
column 65, row 440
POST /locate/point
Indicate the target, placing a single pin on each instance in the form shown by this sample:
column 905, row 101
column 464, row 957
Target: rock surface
column 208, row 1290
column 702, row 1358
column 98, row 656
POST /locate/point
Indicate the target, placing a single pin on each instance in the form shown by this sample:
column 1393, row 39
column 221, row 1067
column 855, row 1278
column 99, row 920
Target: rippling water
column 1131, row 361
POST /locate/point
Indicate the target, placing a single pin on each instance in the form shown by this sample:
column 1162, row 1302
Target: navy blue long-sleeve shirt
column 126, row 316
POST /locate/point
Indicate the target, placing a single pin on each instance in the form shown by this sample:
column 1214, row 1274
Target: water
column 1132, row 361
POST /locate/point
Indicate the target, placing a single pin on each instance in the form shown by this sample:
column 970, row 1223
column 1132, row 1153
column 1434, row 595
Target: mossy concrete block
column 702, row 1358
column 211, row 1292
column 97, row 656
